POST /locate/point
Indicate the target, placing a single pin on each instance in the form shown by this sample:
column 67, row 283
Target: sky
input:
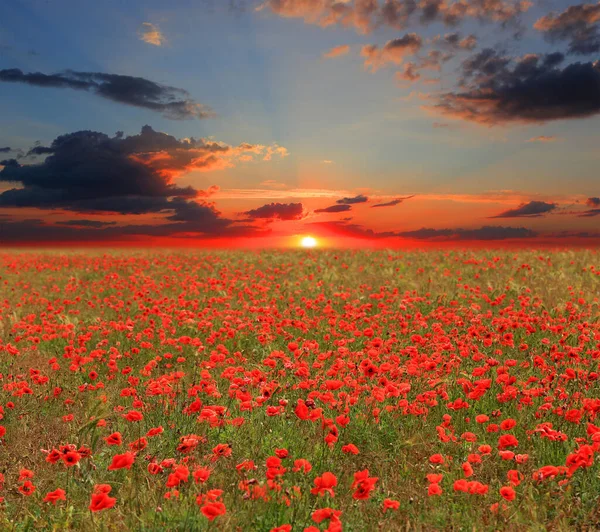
column 256, row 123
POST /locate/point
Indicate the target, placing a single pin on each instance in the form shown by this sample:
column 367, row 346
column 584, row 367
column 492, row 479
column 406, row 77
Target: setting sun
column 308, row 242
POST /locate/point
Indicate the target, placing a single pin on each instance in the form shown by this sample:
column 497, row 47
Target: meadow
column 299, row 390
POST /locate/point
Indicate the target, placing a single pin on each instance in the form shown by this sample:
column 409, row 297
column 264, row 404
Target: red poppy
column 325, row 484
column 55, row 496
column 213, row 510
column 101, row 501
column 122, row 461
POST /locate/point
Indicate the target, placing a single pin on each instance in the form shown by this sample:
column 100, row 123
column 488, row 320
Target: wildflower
column 390, row 504
column 101, row 501
column 54, row 496
column 325, row 484
column 212, row 510
column 114, row 439
column 122, row 461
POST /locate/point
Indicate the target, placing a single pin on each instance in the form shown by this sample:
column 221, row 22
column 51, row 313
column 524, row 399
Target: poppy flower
column 302, row 465
column 54, row 496
column 101, row 501
column 213, row 509
column 71, row 458
column 434, row 489
column 350, row 449
column 508, row 493
column 27, row 488
column 324, row 484
column 122, row 461
column 390, row 504
column 114, row 439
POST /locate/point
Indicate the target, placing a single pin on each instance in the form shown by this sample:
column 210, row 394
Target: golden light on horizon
column 308, row 242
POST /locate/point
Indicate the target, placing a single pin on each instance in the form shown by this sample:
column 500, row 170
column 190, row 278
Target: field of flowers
column 299, row 390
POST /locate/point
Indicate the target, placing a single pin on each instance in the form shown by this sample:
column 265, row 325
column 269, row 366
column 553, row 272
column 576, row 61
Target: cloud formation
column 366, row 15
column 484, row 233
column 277, row 211
column 361, row 198
column 393, row 51
column 87, row 171
column 487, row 232
column 337, row 51
column 577, row 24
column 532, row 89
column 531, row 209
column 171, row 102
column 150, row 34
column 455, row 41
column 391, row 203
column 593, row 202
column 335, row 208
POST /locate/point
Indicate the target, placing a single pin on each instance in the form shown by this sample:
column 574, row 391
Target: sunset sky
column 255, row 123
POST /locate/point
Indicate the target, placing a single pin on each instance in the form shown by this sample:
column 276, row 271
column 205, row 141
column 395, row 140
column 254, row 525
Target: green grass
column 431, row 315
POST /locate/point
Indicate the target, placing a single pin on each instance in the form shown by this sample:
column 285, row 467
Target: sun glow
column 308, row 242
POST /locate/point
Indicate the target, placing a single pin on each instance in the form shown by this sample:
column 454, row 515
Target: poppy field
column 300, row 390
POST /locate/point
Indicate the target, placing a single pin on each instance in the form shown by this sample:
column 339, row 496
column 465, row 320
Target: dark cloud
column 531, row 209
column 87, row 171
column 86, row 223
column 210, row 226
column 487, row 232
column 5, row 150
column 351, row 201
column 593, row 202
column 392, row 203
column 590, row 213
column 335, row 208
column 90, row 172
column 172, row 102
column 496, row 89
column 434, row 235
column 578, row 25
column 280, row 211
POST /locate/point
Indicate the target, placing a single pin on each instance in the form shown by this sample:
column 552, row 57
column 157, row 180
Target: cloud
column 393, row 51
column 5, row 150
column 593, row 202
column 87, row 171
column 327, row 161
column 391, row 203
column 577, row 24
column 542, row 138
column 366, row 15
column 531, row 209
column 279, row 211
column 351, row 201
column 208, row 225
column 590, row 213
column 435, row 235
column 487, row 232
column 410, row 73
column 455, row 41
column 171, row 102
column 150, row 34
column 337, row 51
column 335, row 208
column 531, row 89
column 86, row 223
